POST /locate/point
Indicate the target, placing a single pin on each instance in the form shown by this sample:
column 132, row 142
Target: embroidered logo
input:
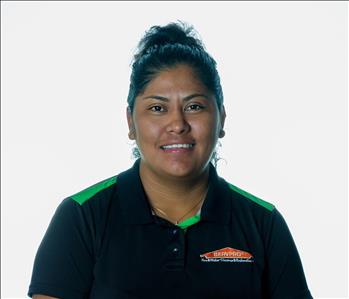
column 227, row 254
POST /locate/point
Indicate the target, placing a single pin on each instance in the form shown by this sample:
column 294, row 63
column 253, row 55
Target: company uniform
column 104, row 242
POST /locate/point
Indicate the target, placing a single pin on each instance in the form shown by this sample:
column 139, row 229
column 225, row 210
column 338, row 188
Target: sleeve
column 284, row 272
column 64, row 262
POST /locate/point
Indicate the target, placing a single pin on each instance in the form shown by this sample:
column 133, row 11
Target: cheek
column 206, row 130
column 146, row 131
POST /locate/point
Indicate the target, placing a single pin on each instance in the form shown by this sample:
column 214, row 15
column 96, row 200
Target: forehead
column 181, row 80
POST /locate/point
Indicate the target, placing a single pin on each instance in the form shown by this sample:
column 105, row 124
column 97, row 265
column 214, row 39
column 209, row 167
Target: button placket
column 176, row 241
column 175, row 255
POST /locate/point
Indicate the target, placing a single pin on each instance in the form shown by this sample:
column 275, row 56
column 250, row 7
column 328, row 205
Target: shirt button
column 175, row 231
column 175, row 250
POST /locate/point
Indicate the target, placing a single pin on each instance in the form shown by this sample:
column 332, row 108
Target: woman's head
column 175, row 112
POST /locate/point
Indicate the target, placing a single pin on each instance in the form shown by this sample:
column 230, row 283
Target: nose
column 177, row 123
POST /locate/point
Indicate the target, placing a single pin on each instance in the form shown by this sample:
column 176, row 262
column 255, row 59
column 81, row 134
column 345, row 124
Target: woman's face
column 176, row 124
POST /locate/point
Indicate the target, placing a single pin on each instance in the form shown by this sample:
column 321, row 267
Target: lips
column 174, row 146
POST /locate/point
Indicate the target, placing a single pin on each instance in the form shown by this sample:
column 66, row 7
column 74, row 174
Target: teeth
column 177, row 146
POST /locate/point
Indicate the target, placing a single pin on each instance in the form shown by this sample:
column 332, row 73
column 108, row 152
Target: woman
column 169, row 227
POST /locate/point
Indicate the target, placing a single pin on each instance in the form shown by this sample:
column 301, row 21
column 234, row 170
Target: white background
column 283, row 65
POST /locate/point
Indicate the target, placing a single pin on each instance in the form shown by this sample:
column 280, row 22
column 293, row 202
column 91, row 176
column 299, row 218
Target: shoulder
column 106, row 189
column 85, row 213
column 101, row 189
column 90, row 206
column 249, row 200
column 95, row 204
column 248, row 208
column 254, row 214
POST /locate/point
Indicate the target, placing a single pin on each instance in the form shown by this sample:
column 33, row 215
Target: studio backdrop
column 65, row 70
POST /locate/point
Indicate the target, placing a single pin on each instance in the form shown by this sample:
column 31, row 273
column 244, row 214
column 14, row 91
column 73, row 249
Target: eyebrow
column 187, row 98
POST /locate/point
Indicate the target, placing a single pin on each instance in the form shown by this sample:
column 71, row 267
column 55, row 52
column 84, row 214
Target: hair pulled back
column 164, row 47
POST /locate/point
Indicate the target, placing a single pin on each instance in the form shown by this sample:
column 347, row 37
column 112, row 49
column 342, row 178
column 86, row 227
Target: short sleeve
column 64, row 262
column 284, row 271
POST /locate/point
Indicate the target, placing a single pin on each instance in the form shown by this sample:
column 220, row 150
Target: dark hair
column 165, row 47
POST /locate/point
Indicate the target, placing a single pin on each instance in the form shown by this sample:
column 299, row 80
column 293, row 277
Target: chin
column 181, row 170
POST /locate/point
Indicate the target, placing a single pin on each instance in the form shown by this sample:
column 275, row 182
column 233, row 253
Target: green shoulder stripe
column 255, row 199
column 87, row 193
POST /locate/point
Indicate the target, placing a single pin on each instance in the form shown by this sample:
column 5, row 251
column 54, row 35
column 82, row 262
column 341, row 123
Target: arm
column 64, row 261
column 285, row 276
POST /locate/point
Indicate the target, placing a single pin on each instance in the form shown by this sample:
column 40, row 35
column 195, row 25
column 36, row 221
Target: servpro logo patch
column 227, row 254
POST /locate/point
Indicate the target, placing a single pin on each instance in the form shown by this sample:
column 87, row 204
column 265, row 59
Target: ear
column 132, row 132
column 222, row 120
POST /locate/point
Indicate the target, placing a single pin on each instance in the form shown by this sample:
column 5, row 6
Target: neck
column 173, row 196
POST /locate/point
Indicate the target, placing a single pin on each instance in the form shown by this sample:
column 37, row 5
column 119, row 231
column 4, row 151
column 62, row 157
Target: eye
column 194, row 107
column 157, row 108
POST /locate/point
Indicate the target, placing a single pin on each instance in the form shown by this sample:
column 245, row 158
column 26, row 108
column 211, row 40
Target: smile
column 180, row 145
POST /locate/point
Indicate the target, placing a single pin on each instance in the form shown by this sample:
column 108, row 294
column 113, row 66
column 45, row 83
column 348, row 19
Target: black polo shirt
column 104, row 242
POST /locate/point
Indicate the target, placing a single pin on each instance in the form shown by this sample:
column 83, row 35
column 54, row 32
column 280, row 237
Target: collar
column 136, row 209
